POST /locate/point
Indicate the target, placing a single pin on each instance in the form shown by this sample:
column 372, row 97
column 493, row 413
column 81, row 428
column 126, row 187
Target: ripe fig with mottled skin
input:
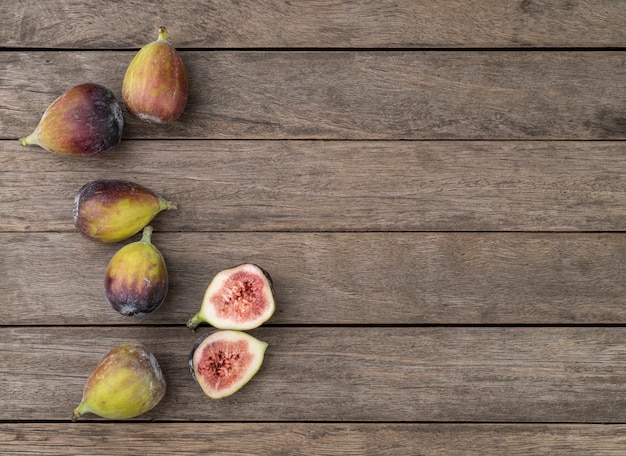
column 127, row 382
column 136, row 279
column 114, row 210
column 155, row 86
column 84, row 121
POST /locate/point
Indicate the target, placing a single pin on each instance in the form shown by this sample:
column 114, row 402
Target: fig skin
column 136, row 279
column 238, row 298
column 127, row 382
column 114, row 210
column 84, row 121
column 155, row 86
column 223, row 361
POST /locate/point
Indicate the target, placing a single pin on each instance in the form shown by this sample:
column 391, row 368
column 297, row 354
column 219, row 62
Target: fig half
column 224, row 361
column 237, row 298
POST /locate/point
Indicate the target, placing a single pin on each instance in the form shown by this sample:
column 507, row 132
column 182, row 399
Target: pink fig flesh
column 239, row 298
column 224, row 361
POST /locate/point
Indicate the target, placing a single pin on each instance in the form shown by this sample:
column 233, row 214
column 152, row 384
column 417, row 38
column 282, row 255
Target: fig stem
column 163, row 34
column 146, row 235
column 26, row 140
column 166, row 205
column 194, row 322
column 78, row 411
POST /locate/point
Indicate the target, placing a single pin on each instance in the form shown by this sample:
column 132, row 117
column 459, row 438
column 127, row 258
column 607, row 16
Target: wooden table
column 437, row 188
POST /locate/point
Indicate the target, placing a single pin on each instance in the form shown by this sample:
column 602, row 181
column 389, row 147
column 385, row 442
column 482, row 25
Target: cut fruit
column 224, row 361
column 237, row 298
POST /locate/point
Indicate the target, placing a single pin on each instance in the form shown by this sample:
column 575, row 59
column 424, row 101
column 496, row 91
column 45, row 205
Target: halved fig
column 238, row 298
column 224, row 361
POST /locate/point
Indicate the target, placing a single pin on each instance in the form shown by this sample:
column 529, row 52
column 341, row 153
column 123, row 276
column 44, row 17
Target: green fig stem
column 166, row 205
column 78, row 411
column 146, row 235
column 163, row 34
column 194, row 322
column 27, row 140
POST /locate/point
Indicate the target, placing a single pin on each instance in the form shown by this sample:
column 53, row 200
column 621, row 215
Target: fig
column 127, row 382
column 84, row 121
column 114, row 210
column 136, row 281
column 155, row 85
column 224, row 361
column 237, row 298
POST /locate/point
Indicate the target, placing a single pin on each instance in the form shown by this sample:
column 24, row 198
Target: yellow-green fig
column 136, row 279
column 127, row 382
column 86, row 120
column 155, row 87
column 114, row 210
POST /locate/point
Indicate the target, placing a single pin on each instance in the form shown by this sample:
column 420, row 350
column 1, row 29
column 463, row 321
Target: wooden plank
column 310, row 438
column 391, row 374
column 350, row 95
column 336, row 278
column 304, row 185
column 264, row 23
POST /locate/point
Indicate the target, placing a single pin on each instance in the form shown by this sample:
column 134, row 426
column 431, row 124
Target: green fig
column 224, row 361
column 155, row 88
column 84, row 121
column 114, row 210
column 136, row 278
column 127, row 382
column 237, row 298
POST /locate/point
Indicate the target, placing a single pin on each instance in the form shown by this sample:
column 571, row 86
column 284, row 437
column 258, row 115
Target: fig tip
column 163, row 33
column 193, row 323
column 26, row 140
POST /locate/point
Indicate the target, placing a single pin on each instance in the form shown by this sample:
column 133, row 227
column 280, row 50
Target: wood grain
column 80, row 24
column 336, row 278
column 304, row 185
column 295, row 439
column 339, row 374
column 348, row 94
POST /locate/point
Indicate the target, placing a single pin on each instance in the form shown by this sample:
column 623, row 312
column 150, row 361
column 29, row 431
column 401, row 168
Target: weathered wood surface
column 336, row 278
column 397, row 167
column 343, row 374
column 314, row 23
column 349, row 94
column 335, row 185
column 322, row 439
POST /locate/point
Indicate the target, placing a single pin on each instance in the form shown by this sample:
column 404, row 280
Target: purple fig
column 136, row 279
column 84, row 121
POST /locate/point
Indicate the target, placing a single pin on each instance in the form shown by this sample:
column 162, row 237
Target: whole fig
column 86, row 120
column 127, row 382
column 155, row 86
column 136, row 279
column 114, row 210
